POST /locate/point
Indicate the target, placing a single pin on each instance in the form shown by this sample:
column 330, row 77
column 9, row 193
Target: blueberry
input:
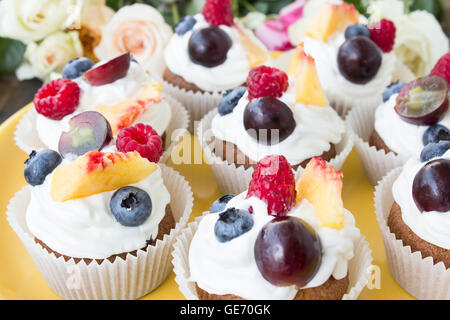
column 357, row 30
column 39, row 165
column 184, row 25
column 76, row 67
column 435, row 134
column 392, row 89
column 230, row 100
column 434, row 150
column 232, row 223
column 219, row 204
column 130, row 206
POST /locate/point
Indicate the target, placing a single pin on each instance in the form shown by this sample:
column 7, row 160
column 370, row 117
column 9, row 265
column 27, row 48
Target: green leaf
column 11, row 55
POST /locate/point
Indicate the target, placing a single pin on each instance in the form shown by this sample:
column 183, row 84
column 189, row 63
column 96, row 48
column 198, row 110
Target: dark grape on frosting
column 209, row 46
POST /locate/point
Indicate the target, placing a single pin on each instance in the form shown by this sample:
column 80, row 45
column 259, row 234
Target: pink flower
column 274, row 33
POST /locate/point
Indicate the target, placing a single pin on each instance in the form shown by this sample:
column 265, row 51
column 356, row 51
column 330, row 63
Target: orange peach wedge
column 322, row 187
column 332, row 18
column 255, row 54
column 307, row 84
column 97, row 172
column 124, row 114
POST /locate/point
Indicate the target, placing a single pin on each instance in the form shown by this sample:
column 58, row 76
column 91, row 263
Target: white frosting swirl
column 432, row 226
column 400, row 136
column 334, row 83
column 230, row 74
column 85, row 228
column 230, row 267
column 157, row 115
column 316, row 128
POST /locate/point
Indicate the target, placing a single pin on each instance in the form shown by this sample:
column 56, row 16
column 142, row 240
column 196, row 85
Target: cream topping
column 85, row 228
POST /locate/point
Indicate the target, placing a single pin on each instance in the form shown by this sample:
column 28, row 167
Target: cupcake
column 412, row 207
column 107, row 219
column 411, row 116
column 119, row 89
column 283, row 115
column 355, row 62
column 276, row 240
column 209, row 53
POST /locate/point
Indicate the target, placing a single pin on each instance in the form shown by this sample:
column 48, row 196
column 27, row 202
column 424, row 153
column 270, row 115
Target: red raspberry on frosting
column 383, row 34
column 217, row 12
column 141, row 138
column 264, row 81
column 57, row 99
column 442, row 68
column 273, row 181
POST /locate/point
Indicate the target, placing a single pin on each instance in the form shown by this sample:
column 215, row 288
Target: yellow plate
column 20, row 278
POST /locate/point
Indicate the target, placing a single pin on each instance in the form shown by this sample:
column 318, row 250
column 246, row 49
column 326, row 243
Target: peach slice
column 332, row 18
column 97, row 172
column 124, row 114
column 255, row 54
column 307, row 85
column 322, row 187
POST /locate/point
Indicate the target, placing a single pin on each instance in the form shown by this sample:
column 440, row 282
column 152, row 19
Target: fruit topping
column 435, row 134
column 88, row 131
column 268, row 120
column 184, row 25
column 124, row 114
column 359, row 60
column 217, row 12
column 392, row 89
column 431, row 186
column 76, row 67
column 357, row 30
column 383, row 34
column 307, row 85
column 332, row 18
column 264, row 81
column 96, row 172
column 287, row 252
column 209, row 46
column 130, row 206
column 57, row 99
column 39, row 165
column 256, row 55
column 423, row 101
column 434, row 150
column 230, row 100
column 109, row 72
column 232, row 223
column 219, row 204
column 322, row 187
column 442, row 68
column 273, row 182
column 141, row 138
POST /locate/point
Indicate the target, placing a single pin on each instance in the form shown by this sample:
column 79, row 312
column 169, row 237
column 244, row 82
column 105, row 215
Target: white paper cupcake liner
column 197, row 104
column 27, row 137
column 131, row 278
column 376, row 163
column 232, row 179
column 359, row 266
column 420, row 277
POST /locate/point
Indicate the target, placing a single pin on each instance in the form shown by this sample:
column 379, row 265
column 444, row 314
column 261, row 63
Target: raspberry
column 57, row 99
column 265, row 81
column 141, row 138
column 383, row 34
column 442, row 68
column 217, row 12
column 273, row 181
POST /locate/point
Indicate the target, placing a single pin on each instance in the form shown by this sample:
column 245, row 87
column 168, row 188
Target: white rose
column 419, row 41
column 49, row 56
column 139, row 29
column 29, row 21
